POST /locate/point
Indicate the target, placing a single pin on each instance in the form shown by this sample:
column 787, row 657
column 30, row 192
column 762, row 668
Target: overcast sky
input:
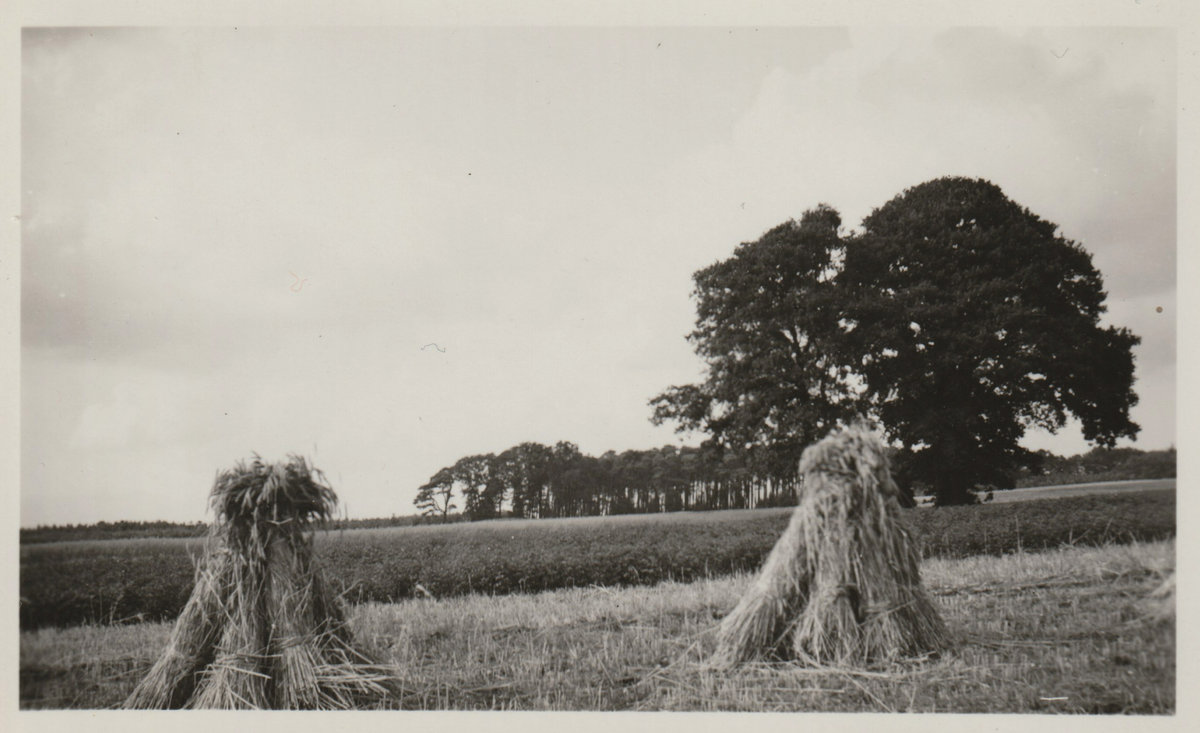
column 387, row 249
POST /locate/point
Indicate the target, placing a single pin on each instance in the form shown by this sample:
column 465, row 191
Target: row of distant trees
column 1099, row 464
column 535, row 480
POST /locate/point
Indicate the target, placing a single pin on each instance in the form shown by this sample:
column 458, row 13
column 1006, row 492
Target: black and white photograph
column 704, row 366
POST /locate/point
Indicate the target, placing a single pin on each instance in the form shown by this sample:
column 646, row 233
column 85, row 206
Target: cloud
column 532, row 200
column 144, row 409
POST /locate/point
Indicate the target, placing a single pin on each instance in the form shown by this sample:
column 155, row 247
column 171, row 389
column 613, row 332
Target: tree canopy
column 533, row 480
column 434, row 497
column 956, row 318
column 766, row 317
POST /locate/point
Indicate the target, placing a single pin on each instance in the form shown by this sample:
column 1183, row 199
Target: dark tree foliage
column 957, row 319
column 671, row 478
column 533, row 480
column 766, row 317
column 526, row 469
column 434, row 498
column 1098, row 464
column 473, row 475
column 969, row 320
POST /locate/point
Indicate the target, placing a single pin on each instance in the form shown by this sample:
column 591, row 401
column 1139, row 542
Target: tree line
column 1100, row 464
column 534, row 480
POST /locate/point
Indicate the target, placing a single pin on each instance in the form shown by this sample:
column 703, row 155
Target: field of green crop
column 121, row 581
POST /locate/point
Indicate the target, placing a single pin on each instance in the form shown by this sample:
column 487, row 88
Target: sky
column 386, row 249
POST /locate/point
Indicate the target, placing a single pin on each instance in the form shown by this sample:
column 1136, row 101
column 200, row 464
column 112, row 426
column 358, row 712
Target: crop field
column 1068, row 630
column 125, row 581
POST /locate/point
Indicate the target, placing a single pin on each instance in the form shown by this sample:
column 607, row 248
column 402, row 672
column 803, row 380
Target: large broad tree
column 765, row 319
column 971, row 319
column 956, row 318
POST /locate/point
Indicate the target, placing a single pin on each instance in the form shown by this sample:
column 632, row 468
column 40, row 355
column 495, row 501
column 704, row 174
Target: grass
column 115, row 581
column 1070, row 630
